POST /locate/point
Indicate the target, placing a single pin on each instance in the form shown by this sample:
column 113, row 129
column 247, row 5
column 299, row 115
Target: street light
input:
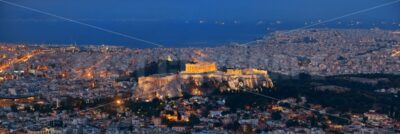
column 118, row 101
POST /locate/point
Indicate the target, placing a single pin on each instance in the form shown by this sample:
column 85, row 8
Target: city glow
column 395, row 53
column 18, row 59
column 219, row 67
column 119, row 102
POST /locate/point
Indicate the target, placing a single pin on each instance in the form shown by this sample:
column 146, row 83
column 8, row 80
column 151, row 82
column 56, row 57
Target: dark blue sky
column 243, row 10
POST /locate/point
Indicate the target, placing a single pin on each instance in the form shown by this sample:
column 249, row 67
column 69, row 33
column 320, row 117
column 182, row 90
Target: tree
column 14, row 108
column 194, row 120
column 276, row 116
column 292, row 123
column 304, row 76
column 233, row 126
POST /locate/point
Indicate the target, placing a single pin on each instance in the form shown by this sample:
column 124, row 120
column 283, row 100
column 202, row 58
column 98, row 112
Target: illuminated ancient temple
column 201, row 67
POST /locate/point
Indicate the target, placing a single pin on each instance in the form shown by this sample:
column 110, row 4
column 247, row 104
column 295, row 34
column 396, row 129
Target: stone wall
column 175, row 85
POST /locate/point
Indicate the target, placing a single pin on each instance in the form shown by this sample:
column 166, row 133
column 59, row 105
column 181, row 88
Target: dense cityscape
column 305, row 81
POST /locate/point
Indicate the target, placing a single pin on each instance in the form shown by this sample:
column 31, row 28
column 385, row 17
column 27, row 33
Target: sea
column 194, row 33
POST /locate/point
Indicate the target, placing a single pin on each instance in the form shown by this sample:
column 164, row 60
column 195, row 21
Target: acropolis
column 193, row 78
